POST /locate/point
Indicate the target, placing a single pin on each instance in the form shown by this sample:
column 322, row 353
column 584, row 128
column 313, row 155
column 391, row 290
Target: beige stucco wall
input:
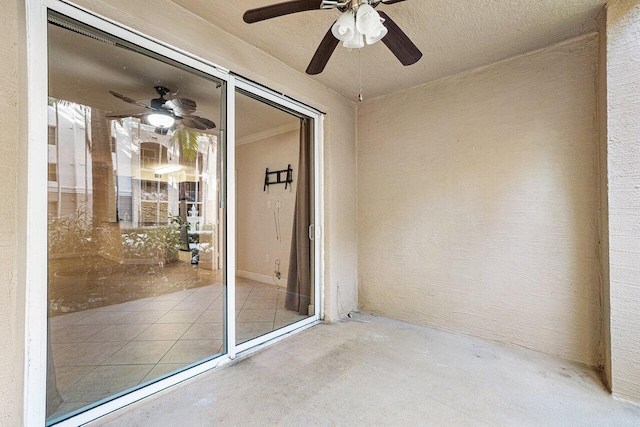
column 257, row 235
column 478, row 203
column 623, row 145
column 11, row 211
column 605, row 335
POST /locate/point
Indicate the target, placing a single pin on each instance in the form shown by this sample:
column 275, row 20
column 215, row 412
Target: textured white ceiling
column 454, row 36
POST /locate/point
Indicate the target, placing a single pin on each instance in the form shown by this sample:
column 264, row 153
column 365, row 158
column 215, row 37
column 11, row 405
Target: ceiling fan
column 358, row 23
column 165, row 113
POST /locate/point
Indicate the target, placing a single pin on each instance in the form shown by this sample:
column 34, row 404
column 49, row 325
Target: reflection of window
column 188, row 191
column 154, row 190
column 52, row 135
column 53, row 172
column 52, row 140
column 191, row 193
column 148, row 157
column 154, row 203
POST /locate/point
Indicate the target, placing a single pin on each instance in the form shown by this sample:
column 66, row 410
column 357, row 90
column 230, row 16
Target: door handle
column 315, row 232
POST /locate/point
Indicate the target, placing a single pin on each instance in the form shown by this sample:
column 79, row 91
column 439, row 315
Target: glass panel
column 135, row 282
column 274, row 193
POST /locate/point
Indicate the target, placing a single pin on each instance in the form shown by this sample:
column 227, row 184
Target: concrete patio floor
column 386, row 372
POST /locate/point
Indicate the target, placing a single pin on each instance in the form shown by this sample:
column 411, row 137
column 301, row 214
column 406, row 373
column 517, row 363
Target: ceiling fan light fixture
column 355, row 42
column 374, row 25
column 161, row 120
column 345, row 26
column 376, row 36
column 369, row 23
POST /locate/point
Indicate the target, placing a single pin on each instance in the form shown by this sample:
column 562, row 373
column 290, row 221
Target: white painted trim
column 271, row 96
column 230, row 207
column 284, row 99
column 268, row 133
column 35, row 370
column 319, row 214
column 275, row 336
column 262, row 278
column 142, row 393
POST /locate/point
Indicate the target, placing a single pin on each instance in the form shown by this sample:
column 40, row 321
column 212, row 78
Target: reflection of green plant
column 70, row 234
column 207, row 245
column 180, row 221
column 188, row 140
column 152, row 243
column 183, row 227
column 171, row 242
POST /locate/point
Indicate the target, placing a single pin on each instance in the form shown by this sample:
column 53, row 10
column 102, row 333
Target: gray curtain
column 299, row 278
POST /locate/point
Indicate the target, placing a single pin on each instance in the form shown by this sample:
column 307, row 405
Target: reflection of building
column 153, row 176
column 154, row 183
column 69, row 159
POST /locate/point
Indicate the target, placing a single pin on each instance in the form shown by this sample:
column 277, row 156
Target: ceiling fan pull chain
column 360, row 77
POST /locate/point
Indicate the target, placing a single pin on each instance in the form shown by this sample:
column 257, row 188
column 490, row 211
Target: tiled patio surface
column 102, row 351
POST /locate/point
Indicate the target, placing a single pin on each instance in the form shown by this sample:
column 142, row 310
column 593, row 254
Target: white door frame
column 36, row 244
column 271, row 96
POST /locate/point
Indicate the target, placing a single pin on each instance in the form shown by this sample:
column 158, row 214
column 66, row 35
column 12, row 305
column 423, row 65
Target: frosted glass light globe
column 160, row 120
column 345, row 26
column 369, row 23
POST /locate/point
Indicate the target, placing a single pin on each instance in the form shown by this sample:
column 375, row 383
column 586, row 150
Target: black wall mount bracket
column 288, row 177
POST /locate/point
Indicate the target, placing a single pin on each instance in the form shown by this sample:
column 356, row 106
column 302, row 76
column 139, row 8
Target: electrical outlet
column 277, row 269
column 269, row 204
column 279, row 204
column 267, row 258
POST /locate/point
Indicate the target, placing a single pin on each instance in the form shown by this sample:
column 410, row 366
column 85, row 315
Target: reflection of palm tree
column 103, row 183
column 187, row 140
column 104, row 186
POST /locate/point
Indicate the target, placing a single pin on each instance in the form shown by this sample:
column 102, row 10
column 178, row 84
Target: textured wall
column 255, row 220
column 605, row 338
column 478, row 203
column 623, row 129
column 11, row 293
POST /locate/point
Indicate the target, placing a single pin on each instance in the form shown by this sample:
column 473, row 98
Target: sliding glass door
column 274, row 205
column 136, row 288
column 182, row 204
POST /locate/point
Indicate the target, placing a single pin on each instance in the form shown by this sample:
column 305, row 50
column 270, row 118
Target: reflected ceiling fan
column 164, row 113
column 359, row 23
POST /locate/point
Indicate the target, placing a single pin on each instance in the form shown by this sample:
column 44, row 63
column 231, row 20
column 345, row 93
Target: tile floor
column 102, row 351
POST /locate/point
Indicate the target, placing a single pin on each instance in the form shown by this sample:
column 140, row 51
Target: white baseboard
column 263, row 278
